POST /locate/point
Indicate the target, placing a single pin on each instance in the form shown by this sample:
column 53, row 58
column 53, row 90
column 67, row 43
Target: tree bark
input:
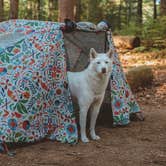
column 127, row 11
column 163, row 7
column 154, row 9
column 14, row 9
column 35, row 10
column 29, row 9
column 1, row 10
column 51, row 8
column 39, row 9
column 139, row 12
column 94, row 11
column 66, row 9
column 78, row 10
column 119, row 15
column 130, row 9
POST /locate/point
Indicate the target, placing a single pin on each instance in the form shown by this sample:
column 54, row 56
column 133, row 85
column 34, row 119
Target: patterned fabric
column 34, row 97
column 122, row 99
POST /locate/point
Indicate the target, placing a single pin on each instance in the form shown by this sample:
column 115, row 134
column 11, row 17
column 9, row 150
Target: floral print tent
column 35, row 100
column 122, row 99
column 34, row 97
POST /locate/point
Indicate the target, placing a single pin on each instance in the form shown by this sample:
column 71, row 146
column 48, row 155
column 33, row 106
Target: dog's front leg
column 94, row 114
column 83, row 118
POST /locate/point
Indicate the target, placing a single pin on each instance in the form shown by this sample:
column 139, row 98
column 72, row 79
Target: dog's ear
column 93, row 53
column 110, row 53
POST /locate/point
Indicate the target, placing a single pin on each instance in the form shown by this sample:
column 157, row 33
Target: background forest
column 128, row 17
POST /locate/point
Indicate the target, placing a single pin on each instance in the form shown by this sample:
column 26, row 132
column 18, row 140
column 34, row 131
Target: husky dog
column 88, row 87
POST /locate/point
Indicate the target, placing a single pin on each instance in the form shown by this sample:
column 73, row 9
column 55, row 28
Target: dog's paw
column 95, row 137
column 85, row 140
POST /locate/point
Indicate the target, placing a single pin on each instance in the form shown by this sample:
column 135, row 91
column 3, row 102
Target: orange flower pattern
column 34, row 100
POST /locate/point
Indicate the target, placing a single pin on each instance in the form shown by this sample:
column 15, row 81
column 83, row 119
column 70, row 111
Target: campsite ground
column 138, row 144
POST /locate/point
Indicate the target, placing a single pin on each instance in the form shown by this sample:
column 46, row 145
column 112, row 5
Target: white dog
column 88, row 87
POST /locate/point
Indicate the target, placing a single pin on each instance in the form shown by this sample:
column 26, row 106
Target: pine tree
column 14, row 9
column 66, row 9
column 139, row 12
column 154, row 9
column 163, row 7
column 1, row 10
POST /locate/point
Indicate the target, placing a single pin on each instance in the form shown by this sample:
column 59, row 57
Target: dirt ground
column 138, row 144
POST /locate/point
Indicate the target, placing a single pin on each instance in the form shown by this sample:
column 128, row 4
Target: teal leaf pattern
column 29, row 87
column 123, row 101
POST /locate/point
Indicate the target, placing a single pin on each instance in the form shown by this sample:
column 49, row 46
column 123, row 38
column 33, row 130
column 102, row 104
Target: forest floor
column 141, row 143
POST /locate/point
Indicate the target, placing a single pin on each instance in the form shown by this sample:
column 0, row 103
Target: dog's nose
column 103, row 70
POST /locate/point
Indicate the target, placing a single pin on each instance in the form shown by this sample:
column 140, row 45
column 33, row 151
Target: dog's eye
column 106, row 61
column 98, row 62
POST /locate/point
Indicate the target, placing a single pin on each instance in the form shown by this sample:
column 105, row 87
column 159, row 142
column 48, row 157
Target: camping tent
column 35, row 100
column 119, row 101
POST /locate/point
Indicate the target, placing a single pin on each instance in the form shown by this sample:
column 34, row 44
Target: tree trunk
column 35, row 10
column 14, row 9
column 78, row 10
column 119, row 15
column 130, row 9
column 29, row 9
column 51, row 9
column 154, row 9
column 94, row 12
column 66, row 9
column 127, row 11
column 139, row 12
column 126, row 42
column 163, row 7
column 1, row 10
column 39, row 9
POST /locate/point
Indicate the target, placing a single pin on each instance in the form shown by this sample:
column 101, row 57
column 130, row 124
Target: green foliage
column 35, row 9
column 131, row 29
column 122, row 14
column 140, row 49
column 153, row 32
column 6, row 10
column 154, row 29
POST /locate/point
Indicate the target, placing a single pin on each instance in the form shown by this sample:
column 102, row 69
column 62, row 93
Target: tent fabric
column 122, row 99
column 34, row 97
column 35, row 101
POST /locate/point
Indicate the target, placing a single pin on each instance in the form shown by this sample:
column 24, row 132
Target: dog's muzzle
column 103, row 70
